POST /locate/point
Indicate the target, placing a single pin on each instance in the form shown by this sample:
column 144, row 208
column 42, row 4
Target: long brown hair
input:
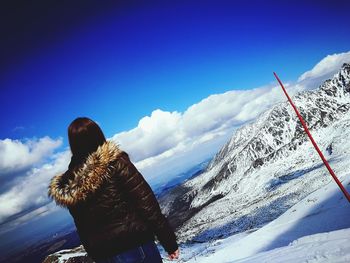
column 84, row 137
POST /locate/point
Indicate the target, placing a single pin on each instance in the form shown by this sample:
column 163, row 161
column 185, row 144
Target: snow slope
column 317, row 229
column 326, row 247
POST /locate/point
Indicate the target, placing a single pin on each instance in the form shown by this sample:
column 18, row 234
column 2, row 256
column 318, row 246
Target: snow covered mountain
column 267, row 166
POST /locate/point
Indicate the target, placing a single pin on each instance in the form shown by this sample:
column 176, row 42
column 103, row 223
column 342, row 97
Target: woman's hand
column 174, row 255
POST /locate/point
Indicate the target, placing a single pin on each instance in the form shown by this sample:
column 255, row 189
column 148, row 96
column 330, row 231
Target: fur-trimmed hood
column 98, row 166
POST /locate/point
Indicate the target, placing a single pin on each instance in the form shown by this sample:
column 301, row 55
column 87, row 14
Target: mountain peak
column 346, row 66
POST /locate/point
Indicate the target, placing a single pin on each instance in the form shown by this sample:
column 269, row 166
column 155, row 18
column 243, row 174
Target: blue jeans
column 146, row 253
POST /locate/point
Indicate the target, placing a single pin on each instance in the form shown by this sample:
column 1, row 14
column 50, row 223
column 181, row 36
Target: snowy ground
column 317, row 229
column 332, row 247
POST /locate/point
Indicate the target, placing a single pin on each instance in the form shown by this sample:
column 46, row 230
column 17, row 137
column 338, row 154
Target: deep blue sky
column 118, row 62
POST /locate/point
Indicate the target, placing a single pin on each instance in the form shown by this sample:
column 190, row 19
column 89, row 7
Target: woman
column 114, row 209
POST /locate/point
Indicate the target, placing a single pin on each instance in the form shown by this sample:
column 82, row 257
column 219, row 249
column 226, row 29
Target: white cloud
column 166, row 143
column 16, row 155
column 155, row 129
column 326, row 68
column 31, row 190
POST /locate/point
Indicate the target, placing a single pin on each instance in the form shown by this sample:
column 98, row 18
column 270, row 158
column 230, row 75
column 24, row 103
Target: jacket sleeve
column 146, row 203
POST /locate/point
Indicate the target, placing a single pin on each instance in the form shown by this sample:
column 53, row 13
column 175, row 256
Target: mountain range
column 265, row 168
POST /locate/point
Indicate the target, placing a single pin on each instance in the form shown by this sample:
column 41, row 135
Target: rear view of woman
column 114, row 209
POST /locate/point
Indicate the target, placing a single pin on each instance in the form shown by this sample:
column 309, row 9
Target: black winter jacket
column 113, row 207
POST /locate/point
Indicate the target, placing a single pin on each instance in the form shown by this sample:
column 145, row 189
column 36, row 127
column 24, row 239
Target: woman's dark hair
column 84, row 137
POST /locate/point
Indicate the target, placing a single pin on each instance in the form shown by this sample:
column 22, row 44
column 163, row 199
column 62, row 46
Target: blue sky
column 119, row 63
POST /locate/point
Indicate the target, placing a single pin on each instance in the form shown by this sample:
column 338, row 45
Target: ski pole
column 342, row 188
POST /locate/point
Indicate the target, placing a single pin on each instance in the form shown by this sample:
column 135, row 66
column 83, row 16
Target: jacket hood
column 85, row 180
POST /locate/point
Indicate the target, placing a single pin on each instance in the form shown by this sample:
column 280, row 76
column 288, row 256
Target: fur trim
column 86, row 180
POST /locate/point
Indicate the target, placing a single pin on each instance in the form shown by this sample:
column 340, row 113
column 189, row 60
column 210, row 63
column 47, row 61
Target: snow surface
column 317, row 229
column 64, row 257
column 325, row 247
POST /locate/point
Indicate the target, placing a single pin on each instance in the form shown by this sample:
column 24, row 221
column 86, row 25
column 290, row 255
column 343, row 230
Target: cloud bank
column 166, row 143
column 31, row 190
column 324, row 69
column 162, row 145
column 16, row 155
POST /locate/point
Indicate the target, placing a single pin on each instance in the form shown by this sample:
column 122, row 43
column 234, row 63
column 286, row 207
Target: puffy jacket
column 113, row 207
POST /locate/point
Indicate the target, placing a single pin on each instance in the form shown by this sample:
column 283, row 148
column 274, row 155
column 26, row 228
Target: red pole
column 342, row 188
